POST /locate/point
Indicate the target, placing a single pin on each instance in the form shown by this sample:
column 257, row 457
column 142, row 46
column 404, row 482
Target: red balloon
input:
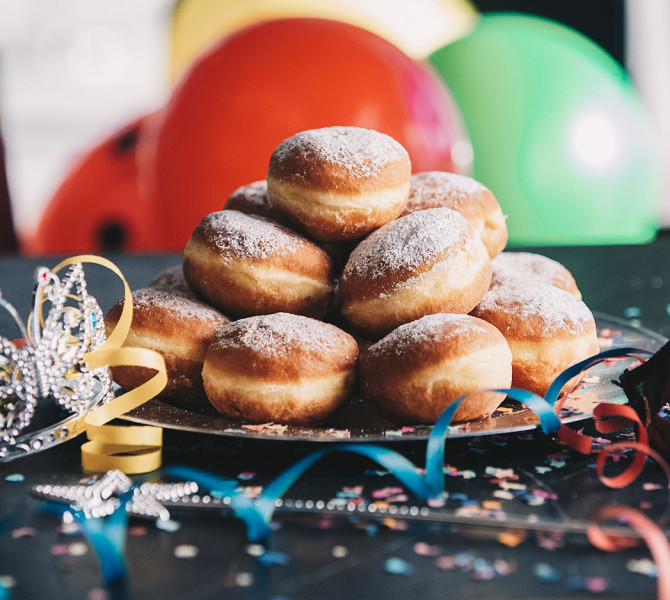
column 98, row 206
column 271, row 80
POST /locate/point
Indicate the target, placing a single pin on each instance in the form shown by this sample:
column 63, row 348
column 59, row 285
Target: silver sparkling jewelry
column 48, row 361
column 101, row 496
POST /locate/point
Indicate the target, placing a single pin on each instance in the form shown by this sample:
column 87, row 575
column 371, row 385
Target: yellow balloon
column 417, row 27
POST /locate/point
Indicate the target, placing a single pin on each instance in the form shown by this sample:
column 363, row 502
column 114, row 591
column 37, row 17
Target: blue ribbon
column 106, row 536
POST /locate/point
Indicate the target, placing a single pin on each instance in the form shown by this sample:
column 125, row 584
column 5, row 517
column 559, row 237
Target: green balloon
column 558, row 132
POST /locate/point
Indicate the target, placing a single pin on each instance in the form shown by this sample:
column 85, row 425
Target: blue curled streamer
column 107, row 536
column 557, row 385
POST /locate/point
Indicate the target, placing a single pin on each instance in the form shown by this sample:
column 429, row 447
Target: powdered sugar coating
column 278, row 334
column 512, row 268
column 147, row 300
column 250, row 199
column 432, row 188
column 428, row 330
column 550, row 308
column 172, row 279
column 250, row 237
column 408, row 244
column 363, row 152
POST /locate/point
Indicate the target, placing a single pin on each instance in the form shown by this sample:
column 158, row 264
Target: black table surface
column 209, row 556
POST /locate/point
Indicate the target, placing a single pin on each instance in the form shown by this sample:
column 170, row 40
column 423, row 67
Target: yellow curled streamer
column 131, row 449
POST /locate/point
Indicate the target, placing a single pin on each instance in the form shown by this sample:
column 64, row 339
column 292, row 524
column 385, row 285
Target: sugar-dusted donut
column 281, row 367
column 172, row 279
column 417, row 370
column 435, row 189
column 175, row 325
column 426, row 262
column 339, row 183
column 547, row 330
column 252, row 199
column 247, row 265
column 513, row 268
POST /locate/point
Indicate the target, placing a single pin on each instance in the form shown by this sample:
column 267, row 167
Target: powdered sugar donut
column 514, row 268
column 282, row 368
column 435, row 189
column 339, row 183
column 172, row 280
column 247, row 265
column 252, row 199
column 547, row 330
column 417, row 370
column 426, row 262
column 180, row 328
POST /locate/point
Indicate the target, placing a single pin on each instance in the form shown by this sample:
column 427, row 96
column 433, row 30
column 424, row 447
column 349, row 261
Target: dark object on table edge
column 648, row 390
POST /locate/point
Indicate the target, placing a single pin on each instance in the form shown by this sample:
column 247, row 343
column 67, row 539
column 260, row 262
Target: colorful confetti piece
column 398, row 566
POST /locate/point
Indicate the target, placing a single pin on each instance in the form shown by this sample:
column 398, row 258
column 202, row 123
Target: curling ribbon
column 132, row 449
column 429, row 488
column 107, row 535
column 652, row 535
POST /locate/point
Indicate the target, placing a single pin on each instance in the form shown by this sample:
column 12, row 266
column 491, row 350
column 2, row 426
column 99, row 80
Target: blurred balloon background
column 536, row 111
column 268, row 81
column 558, row 132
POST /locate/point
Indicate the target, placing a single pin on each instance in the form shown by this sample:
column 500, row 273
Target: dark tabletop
column 209, row 556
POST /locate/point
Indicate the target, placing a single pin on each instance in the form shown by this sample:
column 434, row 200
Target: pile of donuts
column 343, row 273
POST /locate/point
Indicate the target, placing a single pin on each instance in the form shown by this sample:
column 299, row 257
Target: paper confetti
column 186, row 551
column 14, row 478
column 545, row 572
column 398, row 566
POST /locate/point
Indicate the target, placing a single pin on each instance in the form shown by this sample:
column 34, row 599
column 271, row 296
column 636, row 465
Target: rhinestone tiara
column 47, row 364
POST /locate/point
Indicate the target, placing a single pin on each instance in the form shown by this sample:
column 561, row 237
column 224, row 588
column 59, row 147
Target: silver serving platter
column 357, row 421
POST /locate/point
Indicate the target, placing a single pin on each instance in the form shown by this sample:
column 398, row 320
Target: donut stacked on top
column 341, row 251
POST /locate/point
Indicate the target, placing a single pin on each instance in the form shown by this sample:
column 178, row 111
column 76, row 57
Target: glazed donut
column 178, row 327
column 547, row 330
column 513, row 268
column 282, row 368
column 339, row 183
column 247, row 265
column 415, row 372
column 435, row 189
column 427, row 262
column 172, row 280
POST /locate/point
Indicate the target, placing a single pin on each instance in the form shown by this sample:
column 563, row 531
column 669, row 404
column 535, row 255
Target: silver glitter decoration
column 100, row 496
column 50, row 362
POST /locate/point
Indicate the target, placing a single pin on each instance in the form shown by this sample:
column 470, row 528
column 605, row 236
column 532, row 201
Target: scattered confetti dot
column 98, row 594
column 644, row 566
column 511, row 538
column 244, row 579
column 545, row 572
column 168, row 525
column 60, row 550
column 7, row 581
column 423, row 549
column 339, row 551
column 398, row 566
column 137, row 530
column 255, row 549
column 595, row 585
column 14, row 477
column 23, row 532
column 78, row 549
column 186, row 551
column 246, row 475
column 273, row 558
